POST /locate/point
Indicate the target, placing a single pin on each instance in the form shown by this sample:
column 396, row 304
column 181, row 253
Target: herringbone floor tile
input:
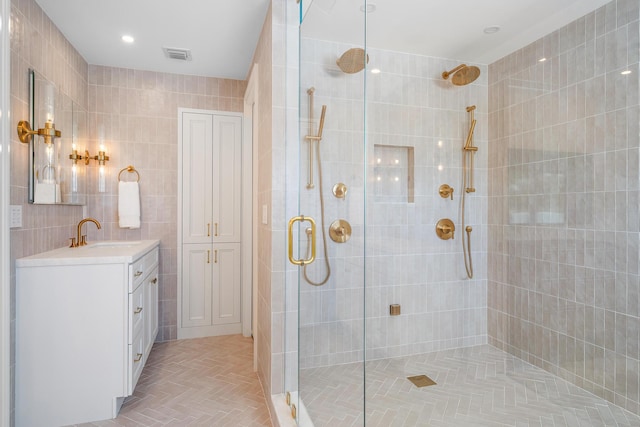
column 476, row 386
column 196, row 382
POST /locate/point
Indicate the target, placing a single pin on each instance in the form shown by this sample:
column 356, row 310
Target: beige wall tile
column 582, row 225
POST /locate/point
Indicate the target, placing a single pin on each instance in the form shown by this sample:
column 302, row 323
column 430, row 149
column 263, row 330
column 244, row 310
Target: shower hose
column 468, row 262
column 324, row 233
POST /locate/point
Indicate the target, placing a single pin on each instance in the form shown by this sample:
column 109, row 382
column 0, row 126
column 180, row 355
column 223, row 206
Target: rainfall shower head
column 462, row 74
column 353, row 60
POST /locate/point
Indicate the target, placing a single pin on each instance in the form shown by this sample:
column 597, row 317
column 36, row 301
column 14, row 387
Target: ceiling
column 222, row 34
column 446, row 29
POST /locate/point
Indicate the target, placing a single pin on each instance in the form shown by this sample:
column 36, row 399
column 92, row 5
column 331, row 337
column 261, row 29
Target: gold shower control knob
column 446, row 191
column 445, row 229
column 340, row 231
column 340, row 190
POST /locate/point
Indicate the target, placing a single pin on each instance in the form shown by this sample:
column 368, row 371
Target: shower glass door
column 331, row 145
column 391, row 138
column 479, row 258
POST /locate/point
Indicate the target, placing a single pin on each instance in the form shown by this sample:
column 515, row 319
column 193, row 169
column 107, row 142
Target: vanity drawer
column 136, row 361
column 139, row 269
column 136, row 313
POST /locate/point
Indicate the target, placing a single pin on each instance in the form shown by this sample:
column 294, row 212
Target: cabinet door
column 226, row 283
column 197, row 262
column 197, row 175
column 227, row 175
column 151, row 307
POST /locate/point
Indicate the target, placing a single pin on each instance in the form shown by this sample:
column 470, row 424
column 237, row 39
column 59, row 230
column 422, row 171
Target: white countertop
column 104, row 252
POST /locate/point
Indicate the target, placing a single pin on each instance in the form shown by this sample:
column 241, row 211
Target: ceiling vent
column 177, row 53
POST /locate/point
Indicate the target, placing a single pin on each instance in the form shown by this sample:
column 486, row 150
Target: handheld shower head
column 462, row 75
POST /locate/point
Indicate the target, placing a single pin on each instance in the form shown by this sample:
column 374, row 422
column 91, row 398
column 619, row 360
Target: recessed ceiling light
column 127, row 39
column 542, row 59
column 368, row 8
column 375, row 71
column 492, row 29
column 625, row 72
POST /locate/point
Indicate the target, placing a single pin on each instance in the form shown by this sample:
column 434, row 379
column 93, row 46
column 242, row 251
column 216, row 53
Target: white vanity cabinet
column 86, row 319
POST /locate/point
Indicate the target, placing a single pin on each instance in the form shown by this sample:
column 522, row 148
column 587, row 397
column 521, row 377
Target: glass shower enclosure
column 450, row 251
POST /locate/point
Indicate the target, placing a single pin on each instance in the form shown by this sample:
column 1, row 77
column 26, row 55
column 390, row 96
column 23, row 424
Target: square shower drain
column 421, row 381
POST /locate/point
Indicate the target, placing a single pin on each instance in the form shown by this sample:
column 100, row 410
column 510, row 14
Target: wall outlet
column 15, row 216
column 265, row 214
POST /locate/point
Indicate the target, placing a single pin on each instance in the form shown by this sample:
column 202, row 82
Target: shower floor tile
column 475, row 386
column 196, row 382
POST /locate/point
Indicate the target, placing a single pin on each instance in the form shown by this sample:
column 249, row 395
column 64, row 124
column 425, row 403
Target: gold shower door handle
column 292, row 221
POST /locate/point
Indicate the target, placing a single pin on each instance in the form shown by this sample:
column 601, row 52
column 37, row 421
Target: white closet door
column 211, row 183
column 227, row 175
column 197, row 178
column 197, row 265
column 226, row 284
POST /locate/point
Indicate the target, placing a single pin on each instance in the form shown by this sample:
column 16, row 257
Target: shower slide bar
column 313, row 138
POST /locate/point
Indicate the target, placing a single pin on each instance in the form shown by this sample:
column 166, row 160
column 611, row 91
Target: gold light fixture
column 49, row 132
column 102, row 160
column 74, row 156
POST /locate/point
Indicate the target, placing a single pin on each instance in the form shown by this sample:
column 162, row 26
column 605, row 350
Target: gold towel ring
column 129, row 169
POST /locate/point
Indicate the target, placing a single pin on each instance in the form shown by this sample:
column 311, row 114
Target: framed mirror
column 57, row 166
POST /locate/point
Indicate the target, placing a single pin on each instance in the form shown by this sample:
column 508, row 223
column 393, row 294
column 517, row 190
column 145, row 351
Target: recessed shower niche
column 394, row 173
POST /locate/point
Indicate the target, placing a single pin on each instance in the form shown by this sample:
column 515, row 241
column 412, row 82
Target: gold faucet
column 82, row 239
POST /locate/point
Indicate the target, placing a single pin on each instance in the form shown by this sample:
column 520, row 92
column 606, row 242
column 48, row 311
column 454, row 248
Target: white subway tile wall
column 408, row 105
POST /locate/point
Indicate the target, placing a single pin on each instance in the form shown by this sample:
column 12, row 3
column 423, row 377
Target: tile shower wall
column 408, row 105
column 37, row 43
column 563, row 247
column 134, row 114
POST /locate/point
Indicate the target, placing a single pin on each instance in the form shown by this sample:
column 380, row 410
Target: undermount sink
column 113, row 244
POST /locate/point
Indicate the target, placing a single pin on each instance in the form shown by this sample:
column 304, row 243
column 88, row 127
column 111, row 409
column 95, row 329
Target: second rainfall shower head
column 353, row 61
column 462, row 74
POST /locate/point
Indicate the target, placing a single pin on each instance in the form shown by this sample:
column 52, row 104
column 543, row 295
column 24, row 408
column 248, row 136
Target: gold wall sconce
column 49, row 132
column 74, row 156
column 102, row 160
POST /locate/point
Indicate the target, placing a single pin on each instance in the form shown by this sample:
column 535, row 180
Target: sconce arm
column 25, row 133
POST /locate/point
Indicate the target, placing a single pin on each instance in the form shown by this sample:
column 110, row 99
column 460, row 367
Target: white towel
column 129, row 204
